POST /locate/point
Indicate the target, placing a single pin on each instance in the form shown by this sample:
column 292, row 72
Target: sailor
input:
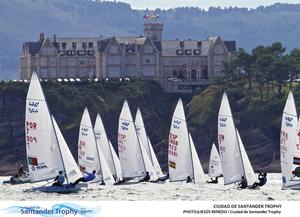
column 146, row 178
column 188, row 179
column 296, row 172
column 86, row 177
column 243, row 183
column 214, row 181
column 21, row 171
column 262, row 177
column 59, row 179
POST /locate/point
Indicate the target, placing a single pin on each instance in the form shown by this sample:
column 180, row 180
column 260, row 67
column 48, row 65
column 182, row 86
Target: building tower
column 153, row 30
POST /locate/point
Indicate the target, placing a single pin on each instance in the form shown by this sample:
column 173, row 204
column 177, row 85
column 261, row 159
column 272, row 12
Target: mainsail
column 179, row 152
column 90, row 155
column 106, row 147
column 133, row 157
column 215, row 167
column 42, row 148
column 144, row 139
column 230, row 154
column 289, row 142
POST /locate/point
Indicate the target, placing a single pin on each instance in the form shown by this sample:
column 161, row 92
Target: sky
column 204, row 4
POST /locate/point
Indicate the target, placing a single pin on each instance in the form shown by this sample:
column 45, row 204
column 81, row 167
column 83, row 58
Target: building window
column 74, row 44
column 181, row 44
column 63, row 45
column 82, row 62
column 181, row 74
column 91, row 45
column 52, row 62
column 179, row 52
column 188, row 52
column 90, row 53
column 70, row 53
column 218, row 60
column 84, row 45
column 81, row 52
column 196, row 52
column 148, row 59
column 194, row 74
column 174, row 73
column 204, row 74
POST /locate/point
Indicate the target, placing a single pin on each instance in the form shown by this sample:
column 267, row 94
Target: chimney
column 54, row 38
column 42, row 36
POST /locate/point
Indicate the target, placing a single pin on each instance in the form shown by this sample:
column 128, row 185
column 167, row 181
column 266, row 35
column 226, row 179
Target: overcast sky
column 152, row 4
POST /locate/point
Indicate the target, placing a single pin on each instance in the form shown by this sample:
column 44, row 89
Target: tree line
column 268, row 68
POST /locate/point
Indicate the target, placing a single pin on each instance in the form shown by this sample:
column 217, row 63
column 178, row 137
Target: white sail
column 179, row 151
column 296, row 156
column 90, row 156
column 288, row 140
column 156, row 165
column 147, row 162
column 230, row 154
column 214, row 168
column 249, row 172
column 72, row 171
column 199, row 176
column 116, row 163
column 141, row 131
column 43, row 154
column 103, row 142
column 129, row 148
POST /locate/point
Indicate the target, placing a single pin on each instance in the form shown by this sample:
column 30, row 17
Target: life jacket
column 89, row 177
column 262, row 180
column 61, row 179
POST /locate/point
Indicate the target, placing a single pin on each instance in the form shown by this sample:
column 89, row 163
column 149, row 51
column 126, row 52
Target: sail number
column 33, row 107
column 31, row 139
column 31, row 125
column 173, row 143
column 121, row 141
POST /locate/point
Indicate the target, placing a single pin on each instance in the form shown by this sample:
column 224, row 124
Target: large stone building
column 178, row 65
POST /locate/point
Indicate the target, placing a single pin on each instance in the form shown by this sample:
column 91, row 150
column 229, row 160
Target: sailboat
column 289, row 145
column 182, row 156
column 90, row 155
column 141, row 131
column 214, row 167
column 46, row 149
column 107, row 149
column 133, row 157
column 234, row 159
